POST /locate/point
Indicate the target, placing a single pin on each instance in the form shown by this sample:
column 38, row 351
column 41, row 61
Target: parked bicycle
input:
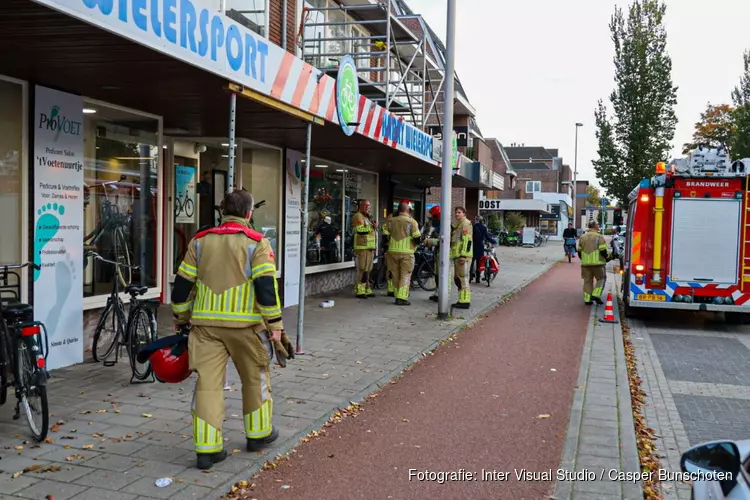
column 24, row 347
column 116, row 330
column 424, row 269
column 488, row 265
column 184, row 203
column 114, row 225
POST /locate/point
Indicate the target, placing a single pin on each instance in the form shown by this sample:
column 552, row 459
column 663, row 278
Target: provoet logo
column 57, row 123
column 347, row 95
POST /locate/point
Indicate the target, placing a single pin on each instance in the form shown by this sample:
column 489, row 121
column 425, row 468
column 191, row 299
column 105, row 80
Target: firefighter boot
column 261, row 443
column 208, row 460
column 402, row 302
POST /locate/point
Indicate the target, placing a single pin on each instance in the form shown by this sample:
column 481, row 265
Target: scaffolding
column 393, row 62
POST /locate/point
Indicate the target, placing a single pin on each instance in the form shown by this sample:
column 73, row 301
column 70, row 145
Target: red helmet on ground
column 169, row 359
column 435, row 211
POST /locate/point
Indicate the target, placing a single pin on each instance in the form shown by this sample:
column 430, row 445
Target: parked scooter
column 509, row 239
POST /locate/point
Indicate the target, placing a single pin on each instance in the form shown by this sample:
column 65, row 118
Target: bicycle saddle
column 136, row 289
column 16, row 309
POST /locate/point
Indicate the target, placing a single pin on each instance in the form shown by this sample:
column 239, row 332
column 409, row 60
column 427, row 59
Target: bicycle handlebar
column 6, row 267
column 118, row 264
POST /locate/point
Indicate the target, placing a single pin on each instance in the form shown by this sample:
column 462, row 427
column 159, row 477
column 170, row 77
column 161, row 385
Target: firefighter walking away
column 404, row 239
column 226, row 287
column 594, row 255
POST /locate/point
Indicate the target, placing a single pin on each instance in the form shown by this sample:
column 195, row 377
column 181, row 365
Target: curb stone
column 222, row 490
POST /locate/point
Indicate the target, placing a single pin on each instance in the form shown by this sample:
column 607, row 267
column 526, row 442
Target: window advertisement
column 292, row 226
column 325, row 219
column 184, row 196
column 58, row 225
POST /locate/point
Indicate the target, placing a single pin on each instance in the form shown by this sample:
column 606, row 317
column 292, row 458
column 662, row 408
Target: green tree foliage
column 514, row 221
column 641, row 130
column 715, row 128
column 740, row 143
column 493, row 222
column 594, row 197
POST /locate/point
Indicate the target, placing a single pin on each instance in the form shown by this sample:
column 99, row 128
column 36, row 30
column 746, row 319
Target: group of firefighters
column 403, row 238
column 226, row 304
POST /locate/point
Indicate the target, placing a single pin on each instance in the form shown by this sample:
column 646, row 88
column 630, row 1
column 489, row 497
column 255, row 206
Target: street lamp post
column 576, row 219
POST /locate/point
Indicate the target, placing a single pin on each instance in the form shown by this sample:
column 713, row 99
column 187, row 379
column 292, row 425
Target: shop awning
column 47, row 47
column 506, row 205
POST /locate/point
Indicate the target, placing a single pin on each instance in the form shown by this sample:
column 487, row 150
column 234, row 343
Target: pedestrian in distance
column 480, row 235
column 226, row 290
column 365, row 242
column 592, row 248
column 404, row 239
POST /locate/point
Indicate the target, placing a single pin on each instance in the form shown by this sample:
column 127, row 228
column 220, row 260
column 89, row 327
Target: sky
column 534, row 68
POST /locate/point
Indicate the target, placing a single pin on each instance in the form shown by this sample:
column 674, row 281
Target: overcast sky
column 534, row 68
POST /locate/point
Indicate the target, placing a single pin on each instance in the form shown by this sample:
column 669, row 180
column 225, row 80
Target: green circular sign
column 347, row 95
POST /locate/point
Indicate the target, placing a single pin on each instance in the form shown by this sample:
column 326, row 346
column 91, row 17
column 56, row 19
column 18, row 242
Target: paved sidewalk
column 114, row 440
column 601, row 433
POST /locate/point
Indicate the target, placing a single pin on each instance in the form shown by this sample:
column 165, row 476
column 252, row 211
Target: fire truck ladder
column 745, row 285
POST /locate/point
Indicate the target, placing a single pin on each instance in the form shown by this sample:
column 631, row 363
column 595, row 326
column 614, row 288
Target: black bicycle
column 24, row 348
column 114, row 225
column 133, row 332
column 183, row 203
column 424, row 270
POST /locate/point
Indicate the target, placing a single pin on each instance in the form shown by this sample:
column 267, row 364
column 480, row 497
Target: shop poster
column 58, row 223
column 293, row 227
column 184, row 197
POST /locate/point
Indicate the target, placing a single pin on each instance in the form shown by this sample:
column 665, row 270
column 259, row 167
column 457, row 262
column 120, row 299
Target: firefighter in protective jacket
column 592, row 249
column 388, row 259
column 365, row 237
column 226, row 288
column 461, row 253
column 405, row 237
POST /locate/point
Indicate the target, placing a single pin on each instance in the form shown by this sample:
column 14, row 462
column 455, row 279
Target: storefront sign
column 347, row 95
column 404, row 135
column 184, row 196
column 292, row 227
column 58, row 227
column 462, row 132
column 489, row 205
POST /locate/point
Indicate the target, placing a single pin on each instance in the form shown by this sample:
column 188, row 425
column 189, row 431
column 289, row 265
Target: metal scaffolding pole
column 303, row 244
column 444, row 289
column 232, row 117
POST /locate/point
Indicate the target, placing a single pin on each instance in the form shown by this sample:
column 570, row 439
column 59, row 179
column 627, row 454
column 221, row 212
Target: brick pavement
column 601, row 436
column 695, row 373
column 114, row 440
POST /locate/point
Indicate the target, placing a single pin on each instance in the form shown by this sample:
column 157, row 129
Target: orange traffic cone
column 609, row 311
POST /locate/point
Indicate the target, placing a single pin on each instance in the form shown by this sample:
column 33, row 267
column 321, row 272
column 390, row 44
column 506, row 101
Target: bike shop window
column 11, row 160
column 325, row 219
column 121, row 151
column 359, row 186
column 261, row 176
column 533, row 186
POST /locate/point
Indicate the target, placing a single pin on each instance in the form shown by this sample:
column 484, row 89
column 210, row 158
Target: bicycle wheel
column 122, row 256
column 33, row 392
column 426, row 277
column 107, row 332
column 189, row 207
column 380, row 281
column 139, row 336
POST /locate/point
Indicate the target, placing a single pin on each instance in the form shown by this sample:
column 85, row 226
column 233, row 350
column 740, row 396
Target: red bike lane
column 497, row 398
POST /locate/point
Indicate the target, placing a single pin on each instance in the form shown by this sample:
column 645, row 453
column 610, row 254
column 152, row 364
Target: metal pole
column 387, row 72
column 444, row 287
column 576, row 218
column 232, row 116
column 284, row 17
column 303, row 244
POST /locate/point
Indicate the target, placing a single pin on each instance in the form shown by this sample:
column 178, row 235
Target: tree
column 715, row 128
column 640, row 132
column 514, row 221
column 493, row 222
column 740, row 144
column 594, row 197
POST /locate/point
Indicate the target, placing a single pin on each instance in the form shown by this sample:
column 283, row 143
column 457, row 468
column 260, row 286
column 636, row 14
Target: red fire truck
column 688, row 244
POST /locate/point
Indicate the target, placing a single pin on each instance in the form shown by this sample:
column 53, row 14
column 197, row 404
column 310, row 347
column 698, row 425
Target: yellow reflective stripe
column 262, row 269
column 236, row 318
column 206, row 438
column 258, row 424
column 270, row 311
column 182, row 307
column 416, row 234
column 362, row 229
column 188, row 269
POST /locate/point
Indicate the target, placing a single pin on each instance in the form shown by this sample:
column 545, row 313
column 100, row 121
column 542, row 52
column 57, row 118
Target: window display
column 335, row 194
column 261, row 176
column 120, row 198
column 11, row 155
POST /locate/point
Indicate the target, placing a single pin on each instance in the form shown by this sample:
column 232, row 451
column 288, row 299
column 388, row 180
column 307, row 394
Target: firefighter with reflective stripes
column 388, row 258
column 405, row 237
column 365, row 237
column 592, row 249
column 432, row 233
column 226, row 288
column 461, row 252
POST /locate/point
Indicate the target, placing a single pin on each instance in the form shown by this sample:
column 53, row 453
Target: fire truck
column 687, row 241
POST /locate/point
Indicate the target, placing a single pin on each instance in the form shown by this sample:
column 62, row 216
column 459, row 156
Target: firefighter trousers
column 363, row 263
column 390, row 264
column 403, row 267
column 591, row 274
column 461, row 270
column 251, row 351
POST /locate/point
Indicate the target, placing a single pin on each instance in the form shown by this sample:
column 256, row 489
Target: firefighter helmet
column 435, row 211
column 169, row 359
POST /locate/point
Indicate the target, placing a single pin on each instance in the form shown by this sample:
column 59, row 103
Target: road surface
column 496, row 399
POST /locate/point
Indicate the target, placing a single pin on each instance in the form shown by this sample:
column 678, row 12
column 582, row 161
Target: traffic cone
column 609, row 311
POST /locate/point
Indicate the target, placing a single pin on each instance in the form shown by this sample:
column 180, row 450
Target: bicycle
column 134, row 332
column 424, row 275
column 23, row 354
column 114, row 225
column 488, row 265
column 183, row 204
